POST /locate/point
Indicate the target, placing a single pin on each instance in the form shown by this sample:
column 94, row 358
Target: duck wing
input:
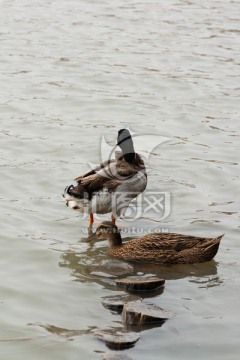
column 99, row 167
column 109, row 174
column 172, row 241
column 90, row 181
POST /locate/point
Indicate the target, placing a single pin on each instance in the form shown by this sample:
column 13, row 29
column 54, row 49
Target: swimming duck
column 111, row 186
column 158, row 248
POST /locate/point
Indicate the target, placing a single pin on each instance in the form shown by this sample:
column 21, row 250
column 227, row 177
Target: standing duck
column 111, row 186
column 158, row 248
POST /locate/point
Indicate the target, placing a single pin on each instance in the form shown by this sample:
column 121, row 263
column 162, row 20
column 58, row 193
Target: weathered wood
column 116, row 357
column 116, row 340
column 140, row 283
column 139, row 313
column 117, row 302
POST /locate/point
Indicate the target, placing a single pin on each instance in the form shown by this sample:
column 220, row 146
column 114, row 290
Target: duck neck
column 126, row 144
column 129, row 157
column 114, row 240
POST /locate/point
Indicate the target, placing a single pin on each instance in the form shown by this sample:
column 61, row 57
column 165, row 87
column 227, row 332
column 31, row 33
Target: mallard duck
column 158, row 248
column 112, row 185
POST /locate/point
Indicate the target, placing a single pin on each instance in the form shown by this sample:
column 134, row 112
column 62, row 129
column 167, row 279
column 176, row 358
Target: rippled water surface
column 71, row 72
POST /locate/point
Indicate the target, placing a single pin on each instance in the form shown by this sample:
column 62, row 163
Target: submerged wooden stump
column 117, row 302
column 117, row 340
column 139, row 313
column 140, row 283
column 116, row 357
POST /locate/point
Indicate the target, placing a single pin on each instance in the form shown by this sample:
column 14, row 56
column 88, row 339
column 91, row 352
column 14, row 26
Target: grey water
column 72, row 74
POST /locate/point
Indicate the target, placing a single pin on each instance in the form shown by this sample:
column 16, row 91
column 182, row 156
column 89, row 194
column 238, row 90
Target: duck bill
column 92, row 237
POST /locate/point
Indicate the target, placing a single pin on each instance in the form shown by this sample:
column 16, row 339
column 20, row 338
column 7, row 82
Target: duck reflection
column 93, row 265
column 65, row 333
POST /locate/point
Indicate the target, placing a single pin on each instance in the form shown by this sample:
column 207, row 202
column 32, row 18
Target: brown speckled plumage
column 110, row 186
column 161, row 248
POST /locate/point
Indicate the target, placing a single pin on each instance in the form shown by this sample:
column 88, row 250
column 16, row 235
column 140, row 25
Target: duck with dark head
column 110, row 186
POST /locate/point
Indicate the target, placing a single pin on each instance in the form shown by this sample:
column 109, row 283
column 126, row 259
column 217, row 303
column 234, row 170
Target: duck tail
column 211, row 250
column 220, row 237
column 214, row 241
column 78, row 192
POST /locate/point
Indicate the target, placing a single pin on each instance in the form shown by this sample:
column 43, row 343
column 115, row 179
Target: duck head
column 107, row 230
column 125, row 142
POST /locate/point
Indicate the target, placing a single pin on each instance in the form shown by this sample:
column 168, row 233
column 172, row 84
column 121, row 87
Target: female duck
column 112, row 185
column 158, row 248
